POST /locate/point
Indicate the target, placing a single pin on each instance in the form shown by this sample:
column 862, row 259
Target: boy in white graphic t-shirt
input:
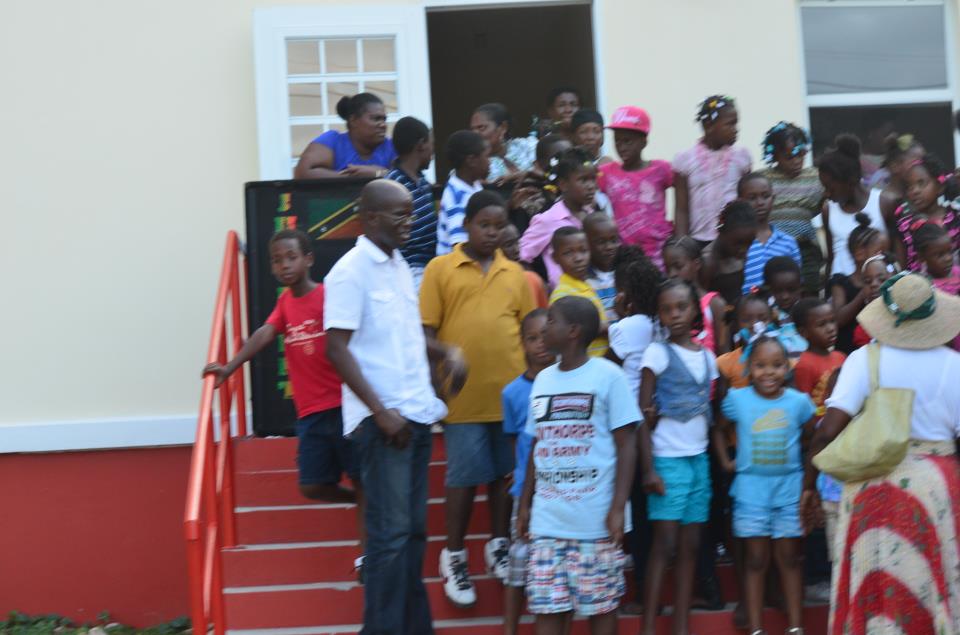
column 583, row 418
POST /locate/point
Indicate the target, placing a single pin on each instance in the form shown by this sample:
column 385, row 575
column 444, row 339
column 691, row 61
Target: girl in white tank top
column 841, row 223
column 841, row 175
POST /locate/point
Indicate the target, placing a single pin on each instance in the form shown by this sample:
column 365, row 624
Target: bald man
column 376, row 343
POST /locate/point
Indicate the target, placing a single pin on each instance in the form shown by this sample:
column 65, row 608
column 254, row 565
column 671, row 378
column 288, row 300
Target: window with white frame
column 307, row 58
column 322, row 70
column 875, row 67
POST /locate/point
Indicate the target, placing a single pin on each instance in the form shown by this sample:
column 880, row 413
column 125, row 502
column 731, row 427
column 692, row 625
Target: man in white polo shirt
column 375, row 341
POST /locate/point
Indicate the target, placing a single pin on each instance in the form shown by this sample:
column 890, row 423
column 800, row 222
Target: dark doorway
column 508, row 55
column 931, row 124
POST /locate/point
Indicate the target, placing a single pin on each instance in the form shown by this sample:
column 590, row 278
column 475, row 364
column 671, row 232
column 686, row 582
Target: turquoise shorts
column 688, row 489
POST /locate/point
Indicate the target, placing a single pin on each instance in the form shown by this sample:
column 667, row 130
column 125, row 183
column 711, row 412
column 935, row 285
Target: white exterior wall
column 129, row 129
column 681, row 52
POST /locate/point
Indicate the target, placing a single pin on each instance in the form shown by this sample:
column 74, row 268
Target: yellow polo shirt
column 568, row 285
column 481, row 313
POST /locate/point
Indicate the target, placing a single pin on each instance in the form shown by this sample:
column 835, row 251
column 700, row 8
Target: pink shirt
column 712, row 177
column 951, row 286
column 536, row 240
column 706, row 337
column 639, row 199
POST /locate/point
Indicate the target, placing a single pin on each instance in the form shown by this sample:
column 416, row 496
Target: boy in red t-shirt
column 816, row 321
column 323, row 453
column 814, row 374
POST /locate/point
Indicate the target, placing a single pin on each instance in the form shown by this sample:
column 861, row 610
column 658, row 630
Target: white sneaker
column 456, row 579
column 818, row 593
column 358, row 568
column 496, row 553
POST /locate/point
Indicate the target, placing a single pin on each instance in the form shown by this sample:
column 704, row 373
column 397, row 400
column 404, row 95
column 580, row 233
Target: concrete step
column 255, row 454
column 306, row 563
column 280, row 487
column 323, row 522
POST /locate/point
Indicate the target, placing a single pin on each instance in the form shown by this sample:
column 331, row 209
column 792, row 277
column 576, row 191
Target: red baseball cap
column 630, row 118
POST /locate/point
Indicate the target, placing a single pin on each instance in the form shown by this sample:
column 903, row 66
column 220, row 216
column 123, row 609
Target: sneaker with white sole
column 456, row 578
column 358, row 569
column 496, row 553
column 818, row 593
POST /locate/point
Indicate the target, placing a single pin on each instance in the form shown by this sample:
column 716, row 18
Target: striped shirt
column 779, row 244
column 422, row 245
column 602, row 283
column 796, row 202
column 453, row 208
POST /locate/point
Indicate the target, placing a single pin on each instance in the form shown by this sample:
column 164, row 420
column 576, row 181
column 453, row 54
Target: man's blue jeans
column 395, row 485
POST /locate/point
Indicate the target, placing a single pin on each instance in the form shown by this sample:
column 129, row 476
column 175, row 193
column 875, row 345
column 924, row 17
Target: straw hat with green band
column 911, row 313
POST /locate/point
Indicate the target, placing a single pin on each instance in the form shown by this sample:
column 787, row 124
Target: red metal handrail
column 209, row 522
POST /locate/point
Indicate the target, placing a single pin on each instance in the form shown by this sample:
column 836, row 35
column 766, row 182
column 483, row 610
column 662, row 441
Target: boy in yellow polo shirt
column 476, row 298
column 572, row 252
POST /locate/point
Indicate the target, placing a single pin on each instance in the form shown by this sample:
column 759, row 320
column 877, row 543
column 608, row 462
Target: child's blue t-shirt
column 573, row 415
column 516, row 405
column 768, row 442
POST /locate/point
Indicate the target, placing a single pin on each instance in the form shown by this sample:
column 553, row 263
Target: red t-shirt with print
column 812, row 375
column 316, row 385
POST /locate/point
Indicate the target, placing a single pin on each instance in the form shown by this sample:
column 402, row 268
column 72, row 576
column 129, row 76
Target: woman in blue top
column 363, row 151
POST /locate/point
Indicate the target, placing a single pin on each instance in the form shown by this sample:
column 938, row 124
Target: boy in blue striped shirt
column 755, row 188
column 413, row 141
column 469, row 154
column 604, row 241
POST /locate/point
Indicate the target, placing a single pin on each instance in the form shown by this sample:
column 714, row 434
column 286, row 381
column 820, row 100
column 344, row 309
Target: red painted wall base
column 85, row 532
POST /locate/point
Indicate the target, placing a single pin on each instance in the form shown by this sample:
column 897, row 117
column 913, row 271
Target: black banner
column 325, row 210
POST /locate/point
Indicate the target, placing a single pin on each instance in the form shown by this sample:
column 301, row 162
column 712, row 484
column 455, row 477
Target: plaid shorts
column 585, row 576
column 519, row 561
column 519, row 554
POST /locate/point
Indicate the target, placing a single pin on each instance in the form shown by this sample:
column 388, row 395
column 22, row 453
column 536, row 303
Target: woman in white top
column 510, row 159
column 898, row 565
column 841, row 175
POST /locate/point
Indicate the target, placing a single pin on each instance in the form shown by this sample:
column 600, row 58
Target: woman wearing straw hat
column 897, row 568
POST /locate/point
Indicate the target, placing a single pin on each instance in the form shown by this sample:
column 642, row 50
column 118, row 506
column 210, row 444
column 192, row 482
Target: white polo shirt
column 372, row 295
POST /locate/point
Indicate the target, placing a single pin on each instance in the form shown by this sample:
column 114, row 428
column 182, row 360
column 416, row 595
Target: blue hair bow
column 769, row 149
column 751, row 335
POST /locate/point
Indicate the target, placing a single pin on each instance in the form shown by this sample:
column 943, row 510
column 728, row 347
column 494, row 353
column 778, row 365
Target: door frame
column 408, row 23
column 272, row 27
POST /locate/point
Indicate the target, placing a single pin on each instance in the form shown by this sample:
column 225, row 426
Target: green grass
column 21, row 624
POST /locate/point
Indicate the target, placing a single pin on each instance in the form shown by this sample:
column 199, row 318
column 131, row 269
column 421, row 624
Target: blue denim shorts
column 760, row 521
column 477, row 453
column 767, row 506
column 323, row 453
column 688, row 489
